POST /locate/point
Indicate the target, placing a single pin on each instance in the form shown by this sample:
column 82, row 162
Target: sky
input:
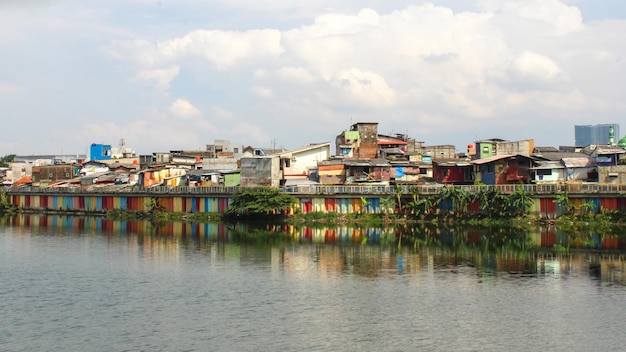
column 167, row 75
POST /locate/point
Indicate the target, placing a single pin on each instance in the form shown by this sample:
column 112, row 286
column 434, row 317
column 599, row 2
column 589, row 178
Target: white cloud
column 361, row 87
column 183, row 109
column 432, row 71
column 263, row 92
column 250, row 134
column 225, row 49
column 536, row 65
column 161, row 78
column 561, row 17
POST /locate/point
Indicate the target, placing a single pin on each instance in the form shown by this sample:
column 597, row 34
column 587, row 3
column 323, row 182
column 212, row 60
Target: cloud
column 560, row 17
column 161, row 78
column 183, row 109
column 362, row 87
column 302, row 72
column 250, row 134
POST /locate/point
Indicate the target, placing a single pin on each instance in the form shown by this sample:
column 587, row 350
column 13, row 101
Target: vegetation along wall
column 547, row 206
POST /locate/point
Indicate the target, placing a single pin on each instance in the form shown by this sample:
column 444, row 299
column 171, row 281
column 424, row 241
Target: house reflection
column 480, row 254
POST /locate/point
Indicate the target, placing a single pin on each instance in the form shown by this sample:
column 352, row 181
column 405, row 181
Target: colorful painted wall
column 544, row 205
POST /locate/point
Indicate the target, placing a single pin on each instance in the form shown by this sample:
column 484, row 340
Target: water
column 92, row 290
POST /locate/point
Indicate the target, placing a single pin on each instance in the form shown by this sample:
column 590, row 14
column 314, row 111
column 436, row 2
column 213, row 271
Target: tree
column 387, row 205
column 563, row 200
column 492, row 201
column 259, row 201
column 520, row 201
column 5, row 160
column 398, row 192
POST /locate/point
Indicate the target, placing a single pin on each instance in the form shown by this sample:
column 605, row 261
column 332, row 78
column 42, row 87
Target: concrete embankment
column 339, row 199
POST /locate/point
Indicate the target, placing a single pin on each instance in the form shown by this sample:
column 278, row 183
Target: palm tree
column 563, row 200
column 398, row 192
column 388, row 206
column 493, row 201
column 520, row 201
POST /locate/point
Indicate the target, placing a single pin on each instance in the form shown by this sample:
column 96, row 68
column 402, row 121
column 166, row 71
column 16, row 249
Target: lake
column 76, row 284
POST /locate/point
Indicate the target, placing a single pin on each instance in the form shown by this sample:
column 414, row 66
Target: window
column 544, row 172
column 236, row 150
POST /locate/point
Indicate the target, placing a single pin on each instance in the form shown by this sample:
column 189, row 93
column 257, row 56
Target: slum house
column 495, row 146
column 550, row 165
column 24, row 181
column 548, row 171
column 581, row 169
column 353, row 171
column 287, row 167
column 455, row 171
column 222, row 148
column 103, row 180
column 18, row 170
column 610, row 163
column 360, row 142
column 439, row 152
column 47, row 174
column 261, row 171
column 92, row 167
column 392, row 148
column 503, row 169
column 410, row 172
column 190, row 159
column 163, row 175
column 605, row 155
column 214, row 178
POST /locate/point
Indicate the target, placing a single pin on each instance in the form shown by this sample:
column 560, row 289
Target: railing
column 584, row 188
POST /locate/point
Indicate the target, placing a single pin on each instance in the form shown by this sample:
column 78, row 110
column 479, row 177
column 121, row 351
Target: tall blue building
column 100, row 152
column 603, row 134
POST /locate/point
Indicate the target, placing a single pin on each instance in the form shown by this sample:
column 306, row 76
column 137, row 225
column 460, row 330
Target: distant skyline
column 170, row 75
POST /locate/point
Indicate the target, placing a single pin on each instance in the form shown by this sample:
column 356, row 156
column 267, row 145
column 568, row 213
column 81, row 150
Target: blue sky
column 168, row 75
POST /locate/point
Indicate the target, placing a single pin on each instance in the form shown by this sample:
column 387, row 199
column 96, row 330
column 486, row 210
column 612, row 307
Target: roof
column 556, row 156
column 603, row 149
column 23, row 181
column 491, row 140
column 289, row 153
column 390, row 140
column 356, row 162
column 449, row 162
column 579, row 162
column 548, row 165
column 491, row 159
column 545, row 149
column 300, row 182
column 366, row 162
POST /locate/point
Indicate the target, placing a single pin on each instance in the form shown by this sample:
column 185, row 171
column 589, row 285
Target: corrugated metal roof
column 579, row 162
column 450, row 163
column 556, row 156
column 548, row 165
column 490, row 159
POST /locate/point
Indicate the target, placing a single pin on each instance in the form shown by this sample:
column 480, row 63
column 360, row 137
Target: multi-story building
column 602, row 134
column 360, row 142
column 495, row 146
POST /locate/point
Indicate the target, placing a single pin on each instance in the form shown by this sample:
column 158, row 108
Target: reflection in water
column 367, row 252
column 89, row 284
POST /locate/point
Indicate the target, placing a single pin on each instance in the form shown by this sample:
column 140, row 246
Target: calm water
column 68, row 289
